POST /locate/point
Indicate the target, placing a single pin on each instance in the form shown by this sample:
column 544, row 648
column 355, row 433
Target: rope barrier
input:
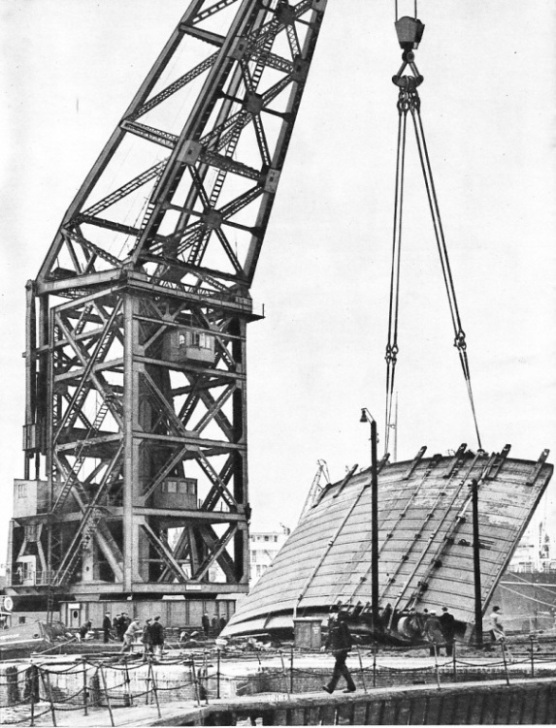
column 204, row 681
column 24, row 720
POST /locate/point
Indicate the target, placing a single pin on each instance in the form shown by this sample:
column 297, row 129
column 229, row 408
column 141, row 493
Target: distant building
column 536, row 552
column 263, row 547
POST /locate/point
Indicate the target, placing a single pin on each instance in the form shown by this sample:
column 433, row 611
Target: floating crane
column 135, row 434
column 135, row 437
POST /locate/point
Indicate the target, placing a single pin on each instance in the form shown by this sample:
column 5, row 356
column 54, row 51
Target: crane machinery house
column 183, row 344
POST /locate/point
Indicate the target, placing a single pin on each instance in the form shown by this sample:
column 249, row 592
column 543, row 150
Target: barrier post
column 148, row 681
column 107, row 694
column 205, row 678
column 155, row 690
column 532, row 639
column 32, row 696
column 195, row 684
column 374, row 664
column 361, row 668
column 218, row 674
column 436, row 666
column 48, row 691
column 291, row 669
column 127, row 684
column 85, row 693
column 284, row 672
column 503, row 646
column 454, row 661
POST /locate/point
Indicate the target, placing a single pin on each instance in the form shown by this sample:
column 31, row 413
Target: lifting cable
column 410, row 31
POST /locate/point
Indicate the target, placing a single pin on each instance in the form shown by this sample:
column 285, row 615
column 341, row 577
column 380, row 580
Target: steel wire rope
column 393, row 310
column 109, row 184
column 529, row 599
column 409, row 100
column 542, row 587
column 159, row 155
column 459, row 341
column 139, row 216
column 396, row 8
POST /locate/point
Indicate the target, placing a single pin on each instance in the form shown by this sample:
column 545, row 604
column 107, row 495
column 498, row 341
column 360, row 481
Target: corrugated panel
column 425, row 539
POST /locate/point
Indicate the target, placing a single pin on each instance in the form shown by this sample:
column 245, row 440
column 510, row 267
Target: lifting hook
column 409, row 31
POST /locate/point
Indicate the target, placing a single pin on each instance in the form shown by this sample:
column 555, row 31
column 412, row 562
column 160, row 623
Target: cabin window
column 201, row 340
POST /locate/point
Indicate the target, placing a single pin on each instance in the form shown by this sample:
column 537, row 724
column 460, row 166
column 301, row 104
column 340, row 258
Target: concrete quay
column 207, row 687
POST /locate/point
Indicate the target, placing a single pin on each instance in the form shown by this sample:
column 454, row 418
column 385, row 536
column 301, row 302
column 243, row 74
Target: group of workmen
column 438, row 631
column 212, row 627
column 126, row 631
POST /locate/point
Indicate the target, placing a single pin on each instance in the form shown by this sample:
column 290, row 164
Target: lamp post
column 366, row 416
column 477, row 564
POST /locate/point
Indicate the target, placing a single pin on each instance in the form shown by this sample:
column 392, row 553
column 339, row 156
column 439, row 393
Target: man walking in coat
column 106, row 627
column 157, row 636
column 205, row 621
column 448, row 625
column 339, row 644
column 433, row 633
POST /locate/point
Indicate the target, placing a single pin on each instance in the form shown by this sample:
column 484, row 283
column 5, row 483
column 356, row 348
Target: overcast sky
column 69, row 69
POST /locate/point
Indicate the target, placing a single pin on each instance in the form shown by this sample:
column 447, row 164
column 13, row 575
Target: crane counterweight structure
column 135, row 433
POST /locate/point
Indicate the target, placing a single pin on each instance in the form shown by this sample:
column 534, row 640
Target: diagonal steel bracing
column 136, row 416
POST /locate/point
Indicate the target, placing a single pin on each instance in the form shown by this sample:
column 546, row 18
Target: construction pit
column 222, row 684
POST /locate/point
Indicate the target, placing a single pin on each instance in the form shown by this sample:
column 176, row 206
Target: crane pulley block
column 410, row 31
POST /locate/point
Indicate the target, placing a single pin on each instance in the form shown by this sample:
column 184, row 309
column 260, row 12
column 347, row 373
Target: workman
column 497, row 632
column 433, row 633
column 205, row 621
column 106, row 627
column 129, row 635
column 146, row 639
column 338, row 643
column 84, row 629
column 448, row 625
column 157, row 636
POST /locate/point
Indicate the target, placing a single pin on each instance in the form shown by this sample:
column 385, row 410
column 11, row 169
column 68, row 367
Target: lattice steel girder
column 162, row 240
column 186, row 182
column 146, row 393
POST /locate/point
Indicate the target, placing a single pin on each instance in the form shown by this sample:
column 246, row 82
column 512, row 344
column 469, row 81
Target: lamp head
column 366, row 416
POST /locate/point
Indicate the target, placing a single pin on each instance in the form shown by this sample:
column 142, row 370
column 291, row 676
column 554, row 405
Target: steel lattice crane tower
column 135, row 434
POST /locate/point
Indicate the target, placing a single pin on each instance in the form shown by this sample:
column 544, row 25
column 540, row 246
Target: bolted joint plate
column 300, row 69
column 271, row 181
column 190, row 152
column 285, row 15
column 212, row 218
column 319, row 5
column 239, row 49
column 253, row 103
